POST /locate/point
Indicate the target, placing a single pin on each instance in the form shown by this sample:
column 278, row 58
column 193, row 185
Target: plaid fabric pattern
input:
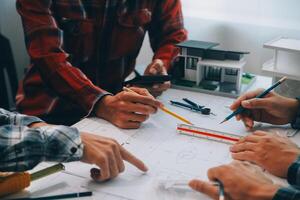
column 289, row 193
column 22, row 148
column 82, row 50
column 294, row 173
column 292, row 192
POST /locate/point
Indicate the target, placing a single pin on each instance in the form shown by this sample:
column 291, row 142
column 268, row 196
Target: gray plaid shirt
column 22, row 148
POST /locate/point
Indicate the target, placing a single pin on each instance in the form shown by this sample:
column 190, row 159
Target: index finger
column 205, row 188
column 141, row 91
column 126, row 155
column 137, row 98
column 250, row 138
column 248, row 95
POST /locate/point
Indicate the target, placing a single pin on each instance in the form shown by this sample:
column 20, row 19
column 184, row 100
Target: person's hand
column 108, row 155
column 273, row 108
column 157, row 68
column 127, row 109
column 272, row 152
column 240, row 182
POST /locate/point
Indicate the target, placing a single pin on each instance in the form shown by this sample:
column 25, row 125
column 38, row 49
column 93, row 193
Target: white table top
column 169, row 156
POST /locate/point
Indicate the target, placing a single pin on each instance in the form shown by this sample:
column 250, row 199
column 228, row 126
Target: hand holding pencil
column 164, row 109
column 273, row 108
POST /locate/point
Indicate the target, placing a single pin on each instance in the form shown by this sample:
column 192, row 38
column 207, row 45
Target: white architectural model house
column 285, row 62
column 203, row 68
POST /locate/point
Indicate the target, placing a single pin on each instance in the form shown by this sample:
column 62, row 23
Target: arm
column 45, row 47
column 166, row 30
column 22, row 148
column 17, row 119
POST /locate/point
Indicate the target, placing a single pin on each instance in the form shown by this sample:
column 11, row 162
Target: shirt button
column 73, row 150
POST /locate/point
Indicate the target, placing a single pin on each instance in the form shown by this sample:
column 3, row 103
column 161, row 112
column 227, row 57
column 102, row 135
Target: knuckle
column 122, row 103
column 122, row 167
column 103, row 160
column 113, row 145
column 122, row 95
column 266, row 140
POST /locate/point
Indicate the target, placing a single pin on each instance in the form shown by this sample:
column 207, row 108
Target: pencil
column 263, row 94
column 221, row 190
column 166, row 110
column 62, row 196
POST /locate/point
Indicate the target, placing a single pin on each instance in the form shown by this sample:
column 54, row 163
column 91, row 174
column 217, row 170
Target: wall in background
column 11, row 27
column 239, row 25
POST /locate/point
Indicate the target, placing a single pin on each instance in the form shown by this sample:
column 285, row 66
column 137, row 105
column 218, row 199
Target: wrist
column 101, row 106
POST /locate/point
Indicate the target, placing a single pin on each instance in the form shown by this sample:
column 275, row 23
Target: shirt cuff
column 288, row 193
column 293, row 176
column 28, row 120
column 99, row 98
column 296, row 122
column 62, row 144
column 17, row 119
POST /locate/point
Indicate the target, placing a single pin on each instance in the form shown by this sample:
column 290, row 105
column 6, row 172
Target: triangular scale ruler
column 207, row 134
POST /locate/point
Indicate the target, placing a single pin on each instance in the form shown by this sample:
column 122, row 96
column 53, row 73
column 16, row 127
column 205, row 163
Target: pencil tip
column 223, row 121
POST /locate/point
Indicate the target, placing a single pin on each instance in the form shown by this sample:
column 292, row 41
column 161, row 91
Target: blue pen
column 263, row 94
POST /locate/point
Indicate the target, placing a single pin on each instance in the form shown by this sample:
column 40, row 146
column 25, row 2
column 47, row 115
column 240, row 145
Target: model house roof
column 197, row 44
column 207, row 50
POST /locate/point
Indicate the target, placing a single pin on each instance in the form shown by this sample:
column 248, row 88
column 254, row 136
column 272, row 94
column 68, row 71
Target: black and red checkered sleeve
column 44, row 43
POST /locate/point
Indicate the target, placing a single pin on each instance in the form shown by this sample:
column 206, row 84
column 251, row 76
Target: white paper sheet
column 169, row 155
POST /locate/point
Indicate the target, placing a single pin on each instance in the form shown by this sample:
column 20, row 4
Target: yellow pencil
column 166, row 110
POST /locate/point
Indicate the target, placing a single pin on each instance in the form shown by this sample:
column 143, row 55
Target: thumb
column 157, row 67
column 153, row 69
column 256, row 103
column 205, row 188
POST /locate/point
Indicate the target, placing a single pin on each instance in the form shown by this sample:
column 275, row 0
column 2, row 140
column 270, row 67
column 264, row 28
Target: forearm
column 167, row 30
column 44, row 42
column 22, row 148
column 17, row 119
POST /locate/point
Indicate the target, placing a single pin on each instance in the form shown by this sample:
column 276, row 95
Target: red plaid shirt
column 82, row 49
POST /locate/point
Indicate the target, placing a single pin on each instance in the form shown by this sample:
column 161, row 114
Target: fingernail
column 193, row 184
column 153, row 71
column 146, row 168
column 246, row 103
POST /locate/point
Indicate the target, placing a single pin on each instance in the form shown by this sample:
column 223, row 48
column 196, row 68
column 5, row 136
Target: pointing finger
column 133, row 160
column 205, row 188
